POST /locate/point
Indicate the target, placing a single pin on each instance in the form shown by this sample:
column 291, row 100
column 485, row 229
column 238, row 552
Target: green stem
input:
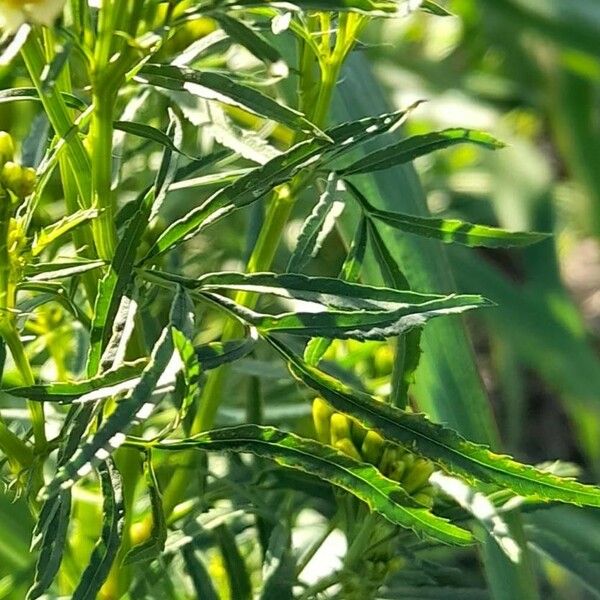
column 10, row 334
column 320, row 586
column 82, row 237
column 14, row 447
column 361, row 541
column 101, row 142
column 36, row 410
column 58, row 115
column 310, row 553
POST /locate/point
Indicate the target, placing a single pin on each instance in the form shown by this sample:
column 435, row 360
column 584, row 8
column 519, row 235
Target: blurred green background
column 529, row 72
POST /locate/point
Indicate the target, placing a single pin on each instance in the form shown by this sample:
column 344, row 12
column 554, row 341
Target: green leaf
column 214, row 354
column 55, row 67
column 154, row 545
column 103, row 386
column 164, row 363
column 201, row 579
column 407, row 150
column 327, row 291
column 188, row 379
column 435, row 9
column 449, row 230
column 360, row 479
column 190, row 374
column 60, row 269
column 408, row 347
column 167, row 170
column 438, row 592
column 25, row 93
column 260, row 181
column 153, row 134
column 279, row 566
column 55, row 516
column 562, row 534
column 123, row 325
column 443, row 445
column 344, row 324
column 235, row 567
column 105, row 551
column 390, row 271
column 350, row 271
column 573, row 25
column 447, row 384
column 315, row 227
column 49, row 292
column 50, row 234
column 374, row 8
column 118, row 278
column 116, row 281
column 215, row 86
column 2, row 356
column 483, row 511
column 251, row 39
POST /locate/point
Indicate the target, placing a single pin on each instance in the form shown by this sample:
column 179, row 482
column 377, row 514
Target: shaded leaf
column 215, row 86
column 350, row 271
column 105, row 551
column 164, row 363
column 235, row 567
column 154, row 545
column 315, row 227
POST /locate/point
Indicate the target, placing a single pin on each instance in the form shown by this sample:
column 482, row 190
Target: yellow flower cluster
column 351, row 438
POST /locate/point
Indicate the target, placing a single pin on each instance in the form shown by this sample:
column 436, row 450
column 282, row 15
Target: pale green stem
column 36, row 410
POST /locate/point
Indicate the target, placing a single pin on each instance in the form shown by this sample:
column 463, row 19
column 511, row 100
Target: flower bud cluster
column 367, row 578
column 351, row 438
column 14, row 178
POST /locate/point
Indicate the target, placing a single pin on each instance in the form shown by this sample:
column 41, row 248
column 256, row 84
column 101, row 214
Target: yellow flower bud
column 321, row 412
column 397, row 471
column 408, row 459
column 346, row 446
column 425, row 496
column 396, row 564
column 372, row 447
column 418, row 475
column 389, row 459
column 28, row 181
column 10, row 176
column 358, row 433
column 7, row 148
column 19, row 180
column 384, row 360
column 340, row 428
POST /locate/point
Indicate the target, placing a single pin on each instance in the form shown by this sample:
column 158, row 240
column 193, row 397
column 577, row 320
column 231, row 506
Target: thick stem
column 101, row 143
